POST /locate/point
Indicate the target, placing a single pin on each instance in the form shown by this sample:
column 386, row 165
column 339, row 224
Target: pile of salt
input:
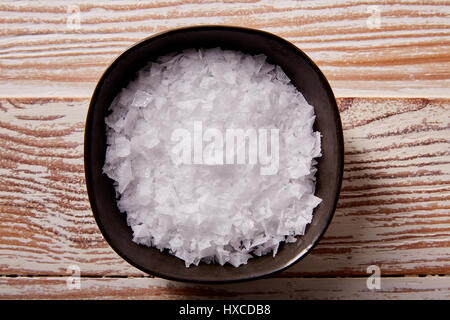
column 200, row 206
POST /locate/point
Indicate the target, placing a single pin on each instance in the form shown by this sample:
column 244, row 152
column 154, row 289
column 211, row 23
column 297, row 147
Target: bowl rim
column 87, row 154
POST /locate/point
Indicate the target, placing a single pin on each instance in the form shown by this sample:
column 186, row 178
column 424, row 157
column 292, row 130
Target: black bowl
column 304, row 74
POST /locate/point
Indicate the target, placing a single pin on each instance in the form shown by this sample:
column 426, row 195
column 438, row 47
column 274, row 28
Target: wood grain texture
column 148, row 288
column 393, row 211
column 406, row 55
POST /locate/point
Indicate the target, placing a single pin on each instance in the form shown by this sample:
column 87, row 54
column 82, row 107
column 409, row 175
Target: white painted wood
column 275, row 288
column 406, row 55
column 393, row 210
column 395, row 201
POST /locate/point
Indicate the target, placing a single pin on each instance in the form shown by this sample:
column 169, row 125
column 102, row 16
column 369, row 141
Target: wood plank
column 393, row 211
column 406, row 55
column 293, row 288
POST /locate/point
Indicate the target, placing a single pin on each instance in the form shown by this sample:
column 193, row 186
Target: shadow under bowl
column 304, row 74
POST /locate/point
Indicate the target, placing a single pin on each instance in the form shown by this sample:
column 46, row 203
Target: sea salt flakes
column 209, row 212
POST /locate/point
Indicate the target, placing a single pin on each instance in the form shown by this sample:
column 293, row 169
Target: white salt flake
column 141, row 99
column 122, row 147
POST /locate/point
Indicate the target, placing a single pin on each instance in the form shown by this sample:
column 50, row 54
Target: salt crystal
column 141, row 99
column 122, row 146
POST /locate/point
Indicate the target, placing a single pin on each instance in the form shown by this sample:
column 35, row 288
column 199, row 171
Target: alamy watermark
column 74, row 280
column 374, row 280
column 74, row 17
column 234, row 146
column 374, row 19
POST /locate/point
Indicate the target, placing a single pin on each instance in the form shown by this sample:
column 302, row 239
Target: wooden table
column 389, row 66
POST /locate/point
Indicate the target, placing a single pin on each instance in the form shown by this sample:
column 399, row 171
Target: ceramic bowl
column 304, row 74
